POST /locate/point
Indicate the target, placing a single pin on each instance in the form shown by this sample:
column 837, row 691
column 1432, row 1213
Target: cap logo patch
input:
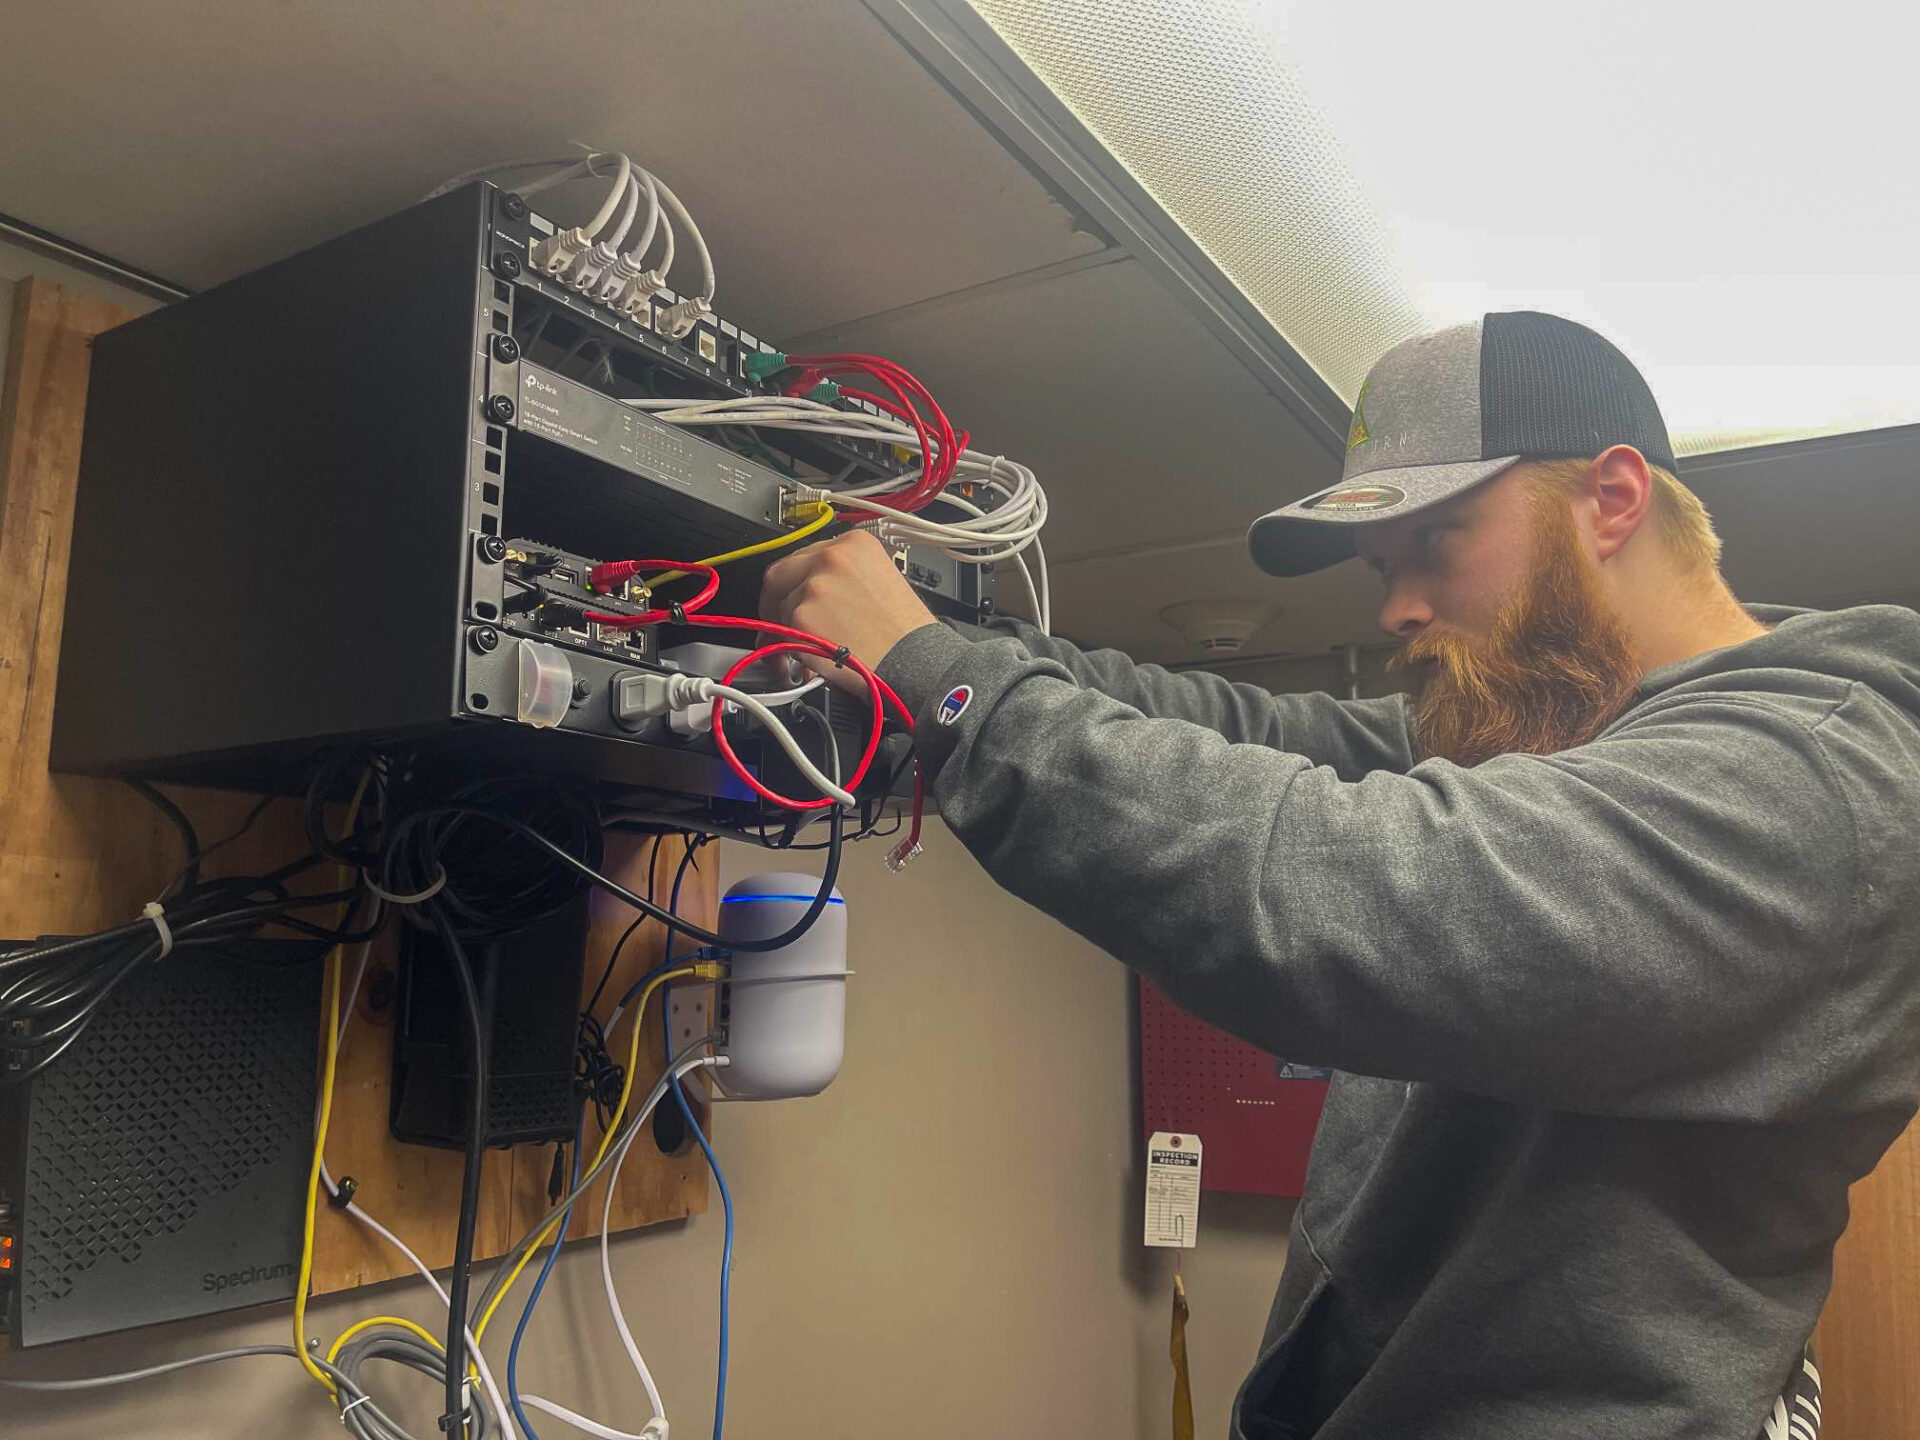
column 1357, row 433
column 1353, row 499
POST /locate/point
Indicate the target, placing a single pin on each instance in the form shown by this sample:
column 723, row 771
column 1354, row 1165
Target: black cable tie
column 677, row 612
column 841, row 655
column 343, row 1193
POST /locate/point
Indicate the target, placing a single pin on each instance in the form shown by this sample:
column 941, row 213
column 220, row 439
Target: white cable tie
column 417, row 899
column 153, row 911
column 351, row 1403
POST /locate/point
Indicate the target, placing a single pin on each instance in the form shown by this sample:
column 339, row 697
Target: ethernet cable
column 689, row 310
column 627, row 268
column 596, row 265
column 359, row 1213
column 636, row 301
column 623, row 1140
column 683, row 689
column 988, row 536
column 321, row 1121
column 559, row 253
column 559, row 1217
column 822, row 515
column 365, row 1418
column 713, row 1164
column 606, row 1258
column 514, row 1396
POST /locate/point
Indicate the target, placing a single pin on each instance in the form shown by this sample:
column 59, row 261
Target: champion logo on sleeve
column 955, row 705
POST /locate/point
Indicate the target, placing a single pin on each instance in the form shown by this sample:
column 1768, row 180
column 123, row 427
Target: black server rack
column 313, row 502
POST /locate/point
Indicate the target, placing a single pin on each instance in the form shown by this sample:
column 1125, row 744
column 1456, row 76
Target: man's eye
column 1430, row 539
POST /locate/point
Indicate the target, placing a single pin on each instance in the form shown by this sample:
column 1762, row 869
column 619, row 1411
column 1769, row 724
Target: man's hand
column 846, row 591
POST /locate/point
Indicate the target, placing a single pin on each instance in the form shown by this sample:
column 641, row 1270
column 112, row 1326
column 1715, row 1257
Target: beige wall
column 945, row 1244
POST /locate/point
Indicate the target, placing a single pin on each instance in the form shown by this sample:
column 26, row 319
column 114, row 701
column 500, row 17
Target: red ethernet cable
column 790, row 641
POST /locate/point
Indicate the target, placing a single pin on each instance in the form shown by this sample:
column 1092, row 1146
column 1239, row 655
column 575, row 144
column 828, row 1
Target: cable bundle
column 1001, row 502
column 790, row 641
column 51, row 992
column 937, row 460
column 588, row 257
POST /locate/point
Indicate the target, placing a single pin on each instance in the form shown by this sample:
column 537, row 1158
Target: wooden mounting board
column 80, row 854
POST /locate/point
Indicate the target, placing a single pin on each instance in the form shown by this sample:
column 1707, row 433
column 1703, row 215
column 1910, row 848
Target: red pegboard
column 1254, row 1114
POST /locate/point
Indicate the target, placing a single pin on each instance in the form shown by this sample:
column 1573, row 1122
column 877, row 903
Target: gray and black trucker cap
column 1440, row 413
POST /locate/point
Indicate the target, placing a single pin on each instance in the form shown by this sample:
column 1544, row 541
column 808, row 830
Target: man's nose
column 1405, row 613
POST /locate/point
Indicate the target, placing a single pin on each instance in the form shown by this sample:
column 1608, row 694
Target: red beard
column 1556, row 671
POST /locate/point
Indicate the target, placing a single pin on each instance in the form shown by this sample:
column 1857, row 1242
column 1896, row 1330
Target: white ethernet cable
column 626, row 268
column 636, row 301
column 988, row 536
column 585, row 273
column 556, row 254
column 606, row 1261
column 597, row 267
column 656, row 1429
column 683, row 315
column 612, row 272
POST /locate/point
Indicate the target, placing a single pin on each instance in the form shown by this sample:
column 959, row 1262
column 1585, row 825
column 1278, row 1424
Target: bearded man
column 1611, row 927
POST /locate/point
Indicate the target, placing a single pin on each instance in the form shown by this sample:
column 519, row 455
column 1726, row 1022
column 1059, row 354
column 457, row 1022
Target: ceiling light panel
column 1213, row 122
column 1725, row 201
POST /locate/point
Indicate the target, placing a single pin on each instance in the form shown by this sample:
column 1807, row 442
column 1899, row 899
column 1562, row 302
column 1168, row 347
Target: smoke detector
column 1219, row 627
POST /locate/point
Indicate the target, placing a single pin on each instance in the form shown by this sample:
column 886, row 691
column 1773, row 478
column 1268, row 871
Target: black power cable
column 50, row 993
column 613, row 887
column 453, row 1421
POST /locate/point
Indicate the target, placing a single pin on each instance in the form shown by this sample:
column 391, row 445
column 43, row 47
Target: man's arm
column 848, row 589
column 1355, row 737
column 1658, row 923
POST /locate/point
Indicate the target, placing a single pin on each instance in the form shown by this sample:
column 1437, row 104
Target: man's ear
column 1621, row 494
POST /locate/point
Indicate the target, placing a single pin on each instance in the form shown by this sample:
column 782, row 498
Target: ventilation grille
column 1188, row 1064
column 1195, row 98
column 1255, row 1115
column 177, row 1091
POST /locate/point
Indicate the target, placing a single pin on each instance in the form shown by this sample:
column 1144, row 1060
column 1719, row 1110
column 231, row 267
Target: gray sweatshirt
column 1616, row 1027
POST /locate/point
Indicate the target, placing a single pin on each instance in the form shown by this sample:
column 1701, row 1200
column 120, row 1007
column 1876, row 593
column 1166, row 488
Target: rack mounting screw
column 485, row 638
column 506, row 349
column 492, row 549
column 506, row 265
column 500, row 408
column 513, row 207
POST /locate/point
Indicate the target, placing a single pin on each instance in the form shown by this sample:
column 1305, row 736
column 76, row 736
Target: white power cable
column 686, row 691
column 787, row 697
